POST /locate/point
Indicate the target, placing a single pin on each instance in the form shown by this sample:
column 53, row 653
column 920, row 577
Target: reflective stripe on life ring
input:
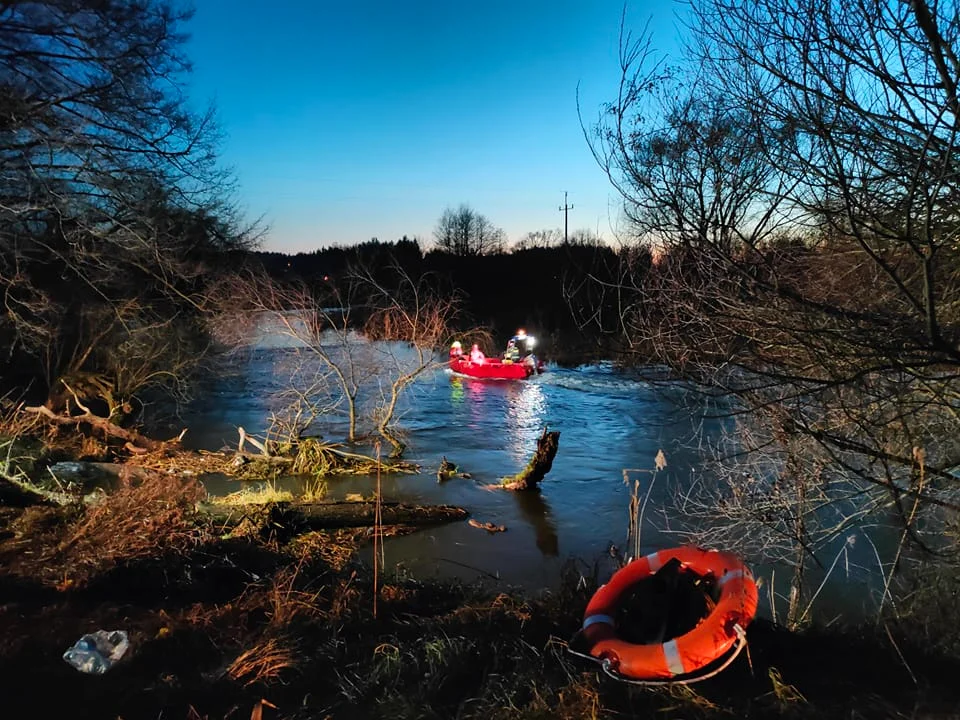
column 708, row 641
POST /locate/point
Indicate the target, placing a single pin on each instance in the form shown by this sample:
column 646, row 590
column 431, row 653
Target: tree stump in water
column 539, row 465
column 449, row 470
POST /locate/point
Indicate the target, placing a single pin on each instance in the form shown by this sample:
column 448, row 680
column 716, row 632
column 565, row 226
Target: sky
column 345, row 121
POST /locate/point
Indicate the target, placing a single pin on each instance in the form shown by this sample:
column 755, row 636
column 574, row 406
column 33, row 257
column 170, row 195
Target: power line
column 565, row 209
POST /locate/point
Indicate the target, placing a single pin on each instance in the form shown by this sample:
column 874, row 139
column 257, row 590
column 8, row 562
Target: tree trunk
column 539, row 464
column 303, row 517
column 794, row 615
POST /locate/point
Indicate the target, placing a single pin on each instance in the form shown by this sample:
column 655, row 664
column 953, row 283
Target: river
column 609, row 421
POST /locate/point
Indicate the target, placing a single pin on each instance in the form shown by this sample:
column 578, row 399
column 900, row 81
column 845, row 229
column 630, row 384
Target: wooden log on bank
column 539, row 465
column 104, row 425
column 302, row 517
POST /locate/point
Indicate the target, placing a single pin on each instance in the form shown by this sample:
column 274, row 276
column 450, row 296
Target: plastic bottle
column 96, row 652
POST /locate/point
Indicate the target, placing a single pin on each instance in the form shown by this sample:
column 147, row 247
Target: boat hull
column 492, row 369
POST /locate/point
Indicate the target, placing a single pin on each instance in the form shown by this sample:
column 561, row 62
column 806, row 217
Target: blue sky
column 367, row 118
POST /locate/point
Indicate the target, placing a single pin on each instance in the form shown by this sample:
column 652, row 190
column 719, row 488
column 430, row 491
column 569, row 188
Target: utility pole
column 565, row 209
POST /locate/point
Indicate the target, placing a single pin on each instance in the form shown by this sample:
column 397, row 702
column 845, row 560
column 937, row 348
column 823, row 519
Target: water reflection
column 526, row 414
column 535, row 510
column 456, row 392
column 476, row 407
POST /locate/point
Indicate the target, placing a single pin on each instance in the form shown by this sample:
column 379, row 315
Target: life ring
column 708, row 641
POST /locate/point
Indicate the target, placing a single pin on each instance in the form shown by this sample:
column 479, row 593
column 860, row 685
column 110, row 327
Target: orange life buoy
column 708, row 641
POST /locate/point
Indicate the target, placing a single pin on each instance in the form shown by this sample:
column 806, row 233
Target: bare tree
column 805, row 193
column 688, row 160
column 410, row 319
column 584, row 237
column 548, row 237
column 111, row 204
column 356, row 346
column 466, row 232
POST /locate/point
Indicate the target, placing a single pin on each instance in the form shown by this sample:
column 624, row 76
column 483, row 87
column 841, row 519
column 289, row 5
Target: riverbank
column 257, row 624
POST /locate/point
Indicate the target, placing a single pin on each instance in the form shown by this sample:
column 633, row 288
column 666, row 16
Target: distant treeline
column 550, row 291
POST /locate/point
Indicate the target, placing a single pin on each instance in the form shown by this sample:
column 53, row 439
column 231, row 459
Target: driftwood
column 132, row 437
column 301, row 517
column 245, row 438
column 488, row 526
column 314, row 457
column 539, row 465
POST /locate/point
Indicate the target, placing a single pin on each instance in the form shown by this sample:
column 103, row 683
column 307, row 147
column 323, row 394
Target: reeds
column 636, row 507
column 265, row 662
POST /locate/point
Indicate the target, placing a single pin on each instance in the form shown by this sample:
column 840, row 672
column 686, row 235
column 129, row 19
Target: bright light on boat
column 531, row 341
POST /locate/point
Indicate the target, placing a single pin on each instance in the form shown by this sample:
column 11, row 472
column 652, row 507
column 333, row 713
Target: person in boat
column 523, row 342
column 456, row 350
column 512, row 353
column 476, row 355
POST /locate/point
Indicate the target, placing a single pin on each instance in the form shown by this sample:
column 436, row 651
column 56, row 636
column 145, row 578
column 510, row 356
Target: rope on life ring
column 720, row 632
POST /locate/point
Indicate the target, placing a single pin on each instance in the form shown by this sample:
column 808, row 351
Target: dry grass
column 263, row 495
column 174, row 460
column 346, row 597
column 785, row 693
column 317, row 458
column 314, row 458
column 436, row 649
column 92, row 448
column 315, row 491
column 288, row 603
column 335, row 548
column 300, row 617
column 688, row 697
column 512, row 606
column 145, row 518
column 14, row 423
column 579, row 700
column 265, row 662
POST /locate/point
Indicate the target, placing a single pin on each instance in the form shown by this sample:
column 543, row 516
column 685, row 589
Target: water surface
column 609, row 421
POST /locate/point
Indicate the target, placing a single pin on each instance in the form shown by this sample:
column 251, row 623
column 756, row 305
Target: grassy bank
column 231, row 627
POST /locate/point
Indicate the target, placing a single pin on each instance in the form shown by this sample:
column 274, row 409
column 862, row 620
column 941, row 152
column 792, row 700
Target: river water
column 608, row 421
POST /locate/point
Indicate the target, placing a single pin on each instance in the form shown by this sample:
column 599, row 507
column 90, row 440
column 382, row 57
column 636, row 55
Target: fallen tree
column 303, row 517
column 98, row 423
column 134, row 441
column 539, row 465
column 310, row 456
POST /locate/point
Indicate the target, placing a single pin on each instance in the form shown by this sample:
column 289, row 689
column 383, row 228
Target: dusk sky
column 367, row 118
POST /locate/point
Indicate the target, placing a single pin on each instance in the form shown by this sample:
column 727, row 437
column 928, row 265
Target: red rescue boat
column 495, row 369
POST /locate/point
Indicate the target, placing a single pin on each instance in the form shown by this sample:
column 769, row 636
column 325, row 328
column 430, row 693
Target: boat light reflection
column 526, row 415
